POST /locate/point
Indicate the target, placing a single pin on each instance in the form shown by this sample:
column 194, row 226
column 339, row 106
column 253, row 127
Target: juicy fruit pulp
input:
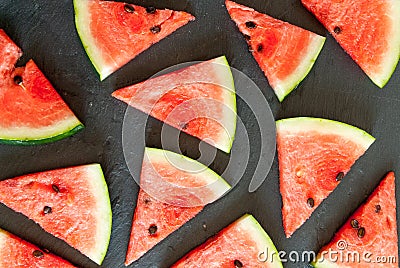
column 285, row 53
column 368, row 31
column 244, row 243
column 371, row 230
column 113, row 33
column 314, row 154
column 31, row 110
column 70, row 203
column 187, row 187
column 199, row 100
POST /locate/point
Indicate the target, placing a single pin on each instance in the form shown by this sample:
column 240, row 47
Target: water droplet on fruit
column 238, row 264
column 47, row 210
column 361, row 232
column 153, row 229
column 259, row 47
column 339, row 176
column 55, row 188
column 378, row 208
column 129, row 8
column 18, row 80
column 38, row 254
column 310, row 202
column 155, row 29
column 354, row 224
column 151, row 10
column 251, row 24
column 337, row 30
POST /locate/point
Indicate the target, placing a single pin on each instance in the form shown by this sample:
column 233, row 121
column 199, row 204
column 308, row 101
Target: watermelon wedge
column 169, row 206
column 15, row 252
column 244, row 243
column 284, row 52
column 369, row 237
column 31, row 110
column 70, row 203
column 199, row 100
column 368, row 31
column 314, row 154
column 113, row 33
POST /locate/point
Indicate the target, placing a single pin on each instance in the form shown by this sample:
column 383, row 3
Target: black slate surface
column 335, row 88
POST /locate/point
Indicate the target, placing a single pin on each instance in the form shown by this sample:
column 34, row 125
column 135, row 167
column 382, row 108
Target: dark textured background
column 336, row 88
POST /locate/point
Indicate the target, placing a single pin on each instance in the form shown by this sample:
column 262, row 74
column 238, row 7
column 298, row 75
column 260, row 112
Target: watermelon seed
column 238, row 264
column 259, row 47
column 155, row 29
column 38, row 254
column 310, row 202
column 55, row 188
column 18, row 80
column 247, row 37
column 337, row 30
column 339, row 176
column 377, row 208
column 153, row 229
column 361, row 232
column 354, row 224
column 147, row 201
column 47, row 210
column 184, row 126
column 129, row 8
column 151, row 10
column 251, row 24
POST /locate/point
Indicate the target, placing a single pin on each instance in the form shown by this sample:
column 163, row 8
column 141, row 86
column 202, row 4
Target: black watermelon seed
column 378, row 208
column 251, row 24
column 238, row 264
column 38, row 254
column 55, row 188
column 259, row 47
column 147, row 201
column 129, row 8
column 337, row 30
column 47, row 210
column 354, row 223
column 151, row 10
column 310, row 202
column 152, row 229
column 247, row 37
column 339, row 176
column 361, row 232
column 17, row 79
column 155, row 29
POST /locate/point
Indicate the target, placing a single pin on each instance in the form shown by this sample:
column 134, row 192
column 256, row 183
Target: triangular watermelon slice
column 70, row 203
column 369, row 31
column 199, row 100
column 285, row 52
column 31, row 111
column 113, row 33
column 15, row 252
column 369, row 237
column 155, row 215
column 243, row 243
column 314, row 154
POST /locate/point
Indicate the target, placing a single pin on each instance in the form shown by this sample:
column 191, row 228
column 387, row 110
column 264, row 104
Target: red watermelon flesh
column 15, row 252
column 162, row 208
column 377, row 217
column 369, row 31
column 239, row 245
column 113, row 33
column 71, row 204
column 285, row 52
column 31, row 111
column 314, row 154
column 199, row 100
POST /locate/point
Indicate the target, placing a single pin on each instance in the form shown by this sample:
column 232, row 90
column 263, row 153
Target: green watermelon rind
column 103, row 214
column 262, row 240
column 325, row 126
column 51, row 134
column 292, row 81
column 185, row 163
column 229, row 123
